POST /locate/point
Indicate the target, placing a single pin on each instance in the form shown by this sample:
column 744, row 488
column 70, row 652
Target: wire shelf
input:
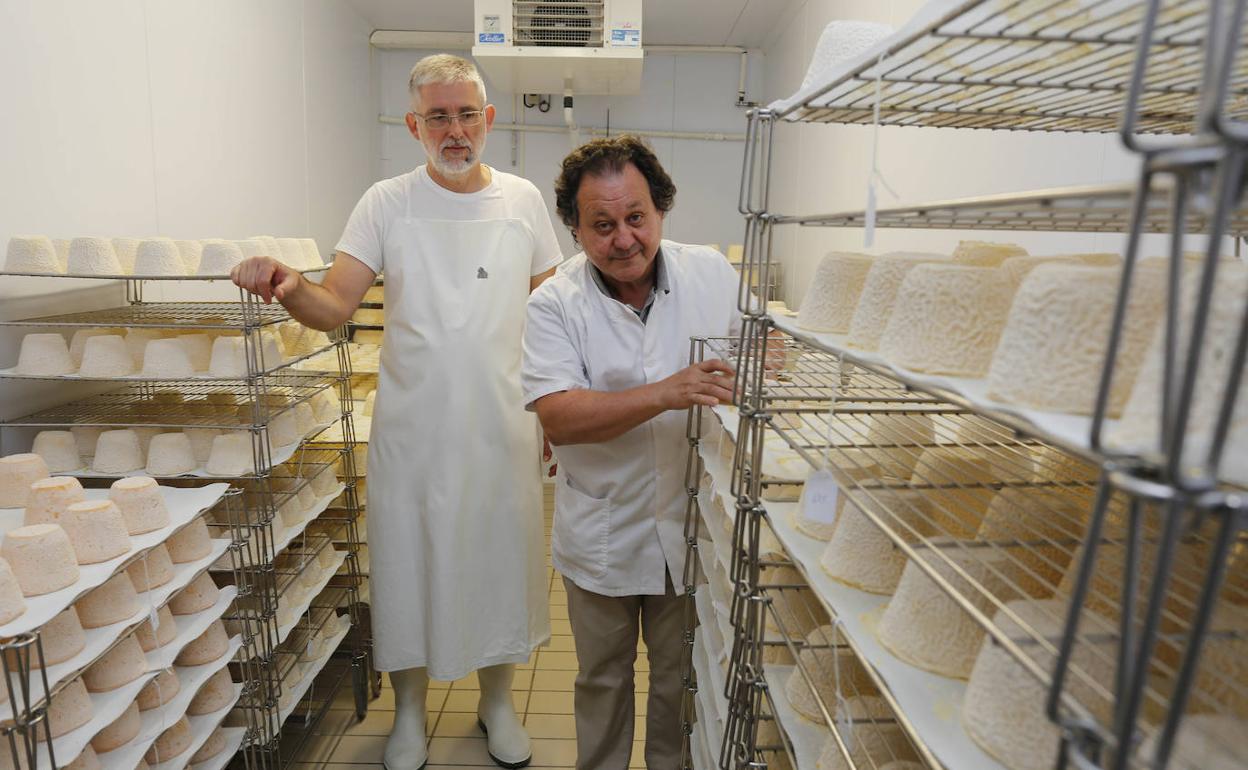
column 993, row 519
column 1090, row 209
column 144, row 278
column 1040, row 65
column 219, row 316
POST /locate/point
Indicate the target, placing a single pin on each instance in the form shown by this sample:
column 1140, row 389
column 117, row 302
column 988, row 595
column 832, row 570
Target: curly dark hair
column 610, row 155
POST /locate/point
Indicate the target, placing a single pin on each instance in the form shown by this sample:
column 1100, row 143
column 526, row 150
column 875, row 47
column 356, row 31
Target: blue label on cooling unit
column 491, row 37
column 626, row 38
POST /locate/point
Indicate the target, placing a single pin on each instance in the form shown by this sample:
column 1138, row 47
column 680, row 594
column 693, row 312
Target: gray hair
column 443, row 68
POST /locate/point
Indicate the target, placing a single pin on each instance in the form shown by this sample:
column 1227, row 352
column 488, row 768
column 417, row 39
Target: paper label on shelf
column 819, row 497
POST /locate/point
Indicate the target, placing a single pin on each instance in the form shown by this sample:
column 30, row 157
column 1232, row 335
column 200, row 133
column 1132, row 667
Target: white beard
column 454, row 169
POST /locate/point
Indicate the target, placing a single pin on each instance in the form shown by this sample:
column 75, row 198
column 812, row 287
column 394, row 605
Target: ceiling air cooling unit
column 551, row 46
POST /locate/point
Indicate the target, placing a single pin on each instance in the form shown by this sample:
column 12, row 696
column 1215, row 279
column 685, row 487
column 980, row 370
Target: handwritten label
column 819, row 497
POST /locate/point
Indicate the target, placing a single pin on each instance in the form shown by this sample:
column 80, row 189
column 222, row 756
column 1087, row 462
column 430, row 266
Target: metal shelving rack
column 1118, row 689
column 258, row 562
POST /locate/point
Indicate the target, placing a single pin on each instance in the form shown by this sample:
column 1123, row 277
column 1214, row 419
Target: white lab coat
column 620, row 504
column 458, row 577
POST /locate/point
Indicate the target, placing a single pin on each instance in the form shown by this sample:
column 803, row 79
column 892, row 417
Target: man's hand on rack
column 265, row 277
column 704, row 384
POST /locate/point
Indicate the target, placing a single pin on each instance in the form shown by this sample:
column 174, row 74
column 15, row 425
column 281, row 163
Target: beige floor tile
column 561, row 726
column 319, row 748
column 639, row 704
column 560, row 627
column 553, row 752
column 469, row 682
column 456, row 725
column 367, row 749
column 550, row 660
column 558, row 599
column 550, row 703
column 638, row 759
column 465, row 701
column 523, row 680
column 560, row 644
column 343, row 766
column 343, row 722
column 459, row 751
column 559, row 681
column 559, row 611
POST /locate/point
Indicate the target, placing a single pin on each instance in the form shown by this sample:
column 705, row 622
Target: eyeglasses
column 440, row 121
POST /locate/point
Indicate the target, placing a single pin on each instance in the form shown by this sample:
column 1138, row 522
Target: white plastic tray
column 233, row 740
column 107, row 707
column 157, row 720
column 305, row 683
column 98, row 640
column 932, row 703
column 329, row 572
column 201, row 729
column 806, row 737
column 184, row 506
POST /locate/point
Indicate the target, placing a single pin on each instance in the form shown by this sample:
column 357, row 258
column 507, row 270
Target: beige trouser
column 605, row 632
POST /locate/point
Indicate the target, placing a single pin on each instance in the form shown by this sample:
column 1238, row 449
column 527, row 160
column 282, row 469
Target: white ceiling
column 665, row 22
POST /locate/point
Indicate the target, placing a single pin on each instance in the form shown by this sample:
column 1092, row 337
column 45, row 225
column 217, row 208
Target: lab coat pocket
column 580, row 531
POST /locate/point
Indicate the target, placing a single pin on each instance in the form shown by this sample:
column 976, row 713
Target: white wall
column 179, row 118
column 825, row 168
column 685, row 92
column 183, row 118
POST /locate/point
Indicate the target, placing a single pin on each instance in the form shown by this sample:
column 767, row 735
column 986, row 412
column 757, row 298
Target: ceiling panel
column 665, row 22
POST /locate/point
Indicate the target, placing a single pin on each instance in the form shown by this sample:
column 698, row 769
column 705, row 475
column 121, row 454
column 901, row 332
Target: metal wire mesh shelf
column 220, row 316
column 1043, row 65
column 131, row 277
column 1091, row 209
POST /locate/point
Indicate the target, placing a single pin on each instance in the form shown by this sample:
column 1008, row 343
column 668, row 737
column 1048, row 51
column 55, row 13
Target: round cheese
column 229, row 358
column 832, row 298
column 93, row 256
column 117, row 451
column 96, row 530
column 231, row 455
column 218, row 258
column 166, row 629
column 78, row 343
column 305, row 419
column 795, row 606
column 123, row 664
column 1047, row 521
column 924, row 626
column 326, row 405
column 167, row 358
column 159, row 256
column 58, row 450
column 205, row 648
column 127, row 251
column 828, row 664
column 870, row 743
column 112, row 602
column 106, row 355
column 61, row 245
column 191, row 543
column 152, row 570
column 42, row 558
column 311, row 254
column 141, row 503
column 201, row 443
column 49, row 498
column 1052, row 351
column 160, row 690
column 11, row 602
column 214, row 695
column 325, row 482
column 190, row 252
column 198, row 350
column 87, row 436
column 136, row 342
column 948, row 319
column 1206, row 742
column 957, row 483
column 87, row 760
column 31, row 254
column 879, row 292
column 861, row 555
column 170, row 454
column 171, row 743
column 211, row 748
column 69, row 709
column 201, row 594
column 44, row 355
column 986, row 253
column 61, row 637
column 17, row 473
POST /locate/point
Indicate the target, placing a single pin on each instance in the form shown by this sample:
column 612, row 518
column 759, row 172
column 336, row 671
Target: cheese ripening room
column 609, row 384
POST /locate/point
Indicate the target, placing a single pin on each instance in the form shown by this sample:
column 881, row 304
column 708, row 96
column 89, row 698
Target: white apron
column 454, row 517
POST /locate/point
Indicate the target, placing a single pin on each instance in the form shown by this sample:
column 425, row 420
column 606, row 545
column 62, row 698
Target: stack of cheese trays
column 152, row 257
column 157, row 353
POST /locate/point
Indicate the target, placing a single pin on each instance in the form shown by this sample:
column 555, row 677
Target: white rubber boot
column 506, row 739
column 408, row 746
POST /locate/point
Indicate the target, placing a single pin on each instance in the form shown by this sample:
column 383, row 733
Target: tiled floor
column 543, row 693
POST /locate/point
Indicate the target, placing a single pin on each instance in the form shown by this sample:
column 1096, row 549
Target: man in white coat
column 606, row 368
column 455, row 519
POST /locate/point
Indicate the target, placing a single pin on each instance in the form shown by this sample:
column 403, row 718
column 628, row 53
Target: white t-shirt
column 506, row 197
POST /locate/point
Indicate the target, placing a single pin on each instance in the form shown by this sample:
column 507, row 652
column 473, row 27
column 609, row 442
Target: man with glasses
column 455, row 519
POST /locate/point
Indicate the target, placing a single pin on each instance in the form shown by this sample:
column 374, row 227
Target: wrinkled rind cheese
column 32, row 254
column 167, row 358
column 986, row 253
column 218, row 258
column 117, row 451
column 93, row 256
column 875, row 304
column 1052, row 352
column 170, row 454
column 44, row 355
column 159, row 256
column 231, row 455
column 127, row 251
column 106, row 355
column 833, row 295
